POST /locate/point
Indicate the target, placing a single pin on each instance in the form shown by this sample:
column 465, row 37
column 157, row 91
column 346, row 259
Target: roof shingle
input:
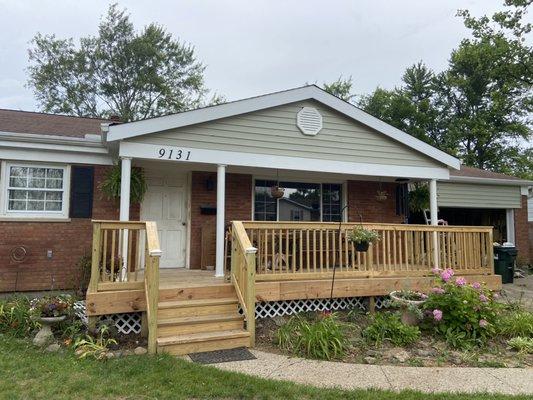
column 48, row 124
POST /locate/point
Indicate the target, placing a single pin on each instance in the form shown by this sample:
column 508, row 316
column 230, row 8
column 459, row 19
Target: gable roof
column 28, row 122
column 147, row 126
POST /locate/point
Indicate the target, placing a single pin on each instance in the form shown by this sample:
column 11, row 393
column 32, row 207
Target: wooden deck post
column 250, row 293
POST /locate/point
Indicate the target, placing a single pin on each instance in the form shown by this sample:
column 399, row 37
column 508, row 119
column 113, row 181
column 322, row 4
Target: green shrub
column 323, row 338
column 516, row 323
column 15, row 317
column 386, row 326
column 522, row 344
column 463, row 314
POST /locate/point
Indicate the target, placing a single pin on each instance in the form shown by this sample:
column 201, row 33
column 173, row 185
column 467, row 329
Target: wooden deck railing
column 124, row 255
column 243, row 267
column 295, row 250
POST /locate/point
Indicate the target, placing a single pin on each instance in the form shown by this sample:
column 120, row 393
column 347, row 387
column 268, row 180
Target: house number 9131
column 174, row 154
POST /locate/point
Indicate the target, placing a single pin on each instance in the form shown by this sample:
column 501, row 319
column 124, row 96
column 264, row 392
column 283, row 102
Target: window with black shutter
column 81, row 192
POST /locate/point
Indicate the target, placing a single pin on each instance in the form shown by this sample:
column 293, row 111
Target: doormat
column 221, row 356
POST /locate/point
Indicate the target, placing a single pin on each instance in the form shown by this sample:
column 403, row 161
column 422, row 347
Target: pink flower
column 437, row 290
column 476, row 285
column 446, row 275
column 437, row 314
column 435, row 270
column 496, row 295
column 423, row 296
column 460, row 281
column 483, row 298
column 483, row 323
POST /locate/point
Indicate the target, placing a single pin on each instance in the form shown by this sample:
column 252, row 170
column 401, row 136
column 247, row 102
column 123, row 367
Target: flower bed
column 460, row 324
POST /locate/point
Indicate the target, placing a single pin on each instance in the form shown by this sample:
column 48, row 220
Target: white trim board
column 191, row 155
column 138, row 128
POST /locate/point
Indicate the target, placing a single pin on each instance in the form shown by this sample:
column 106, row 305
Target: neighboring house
column 52, row 165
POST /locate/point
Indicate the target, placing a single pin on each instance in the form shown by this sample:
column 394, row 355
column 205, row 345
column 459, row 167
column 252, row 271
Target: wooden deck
column 192, row 310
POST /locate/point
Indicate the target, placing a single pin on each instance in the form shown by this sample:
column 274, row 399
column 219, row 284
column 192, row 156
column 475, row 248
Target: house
column 210, row 202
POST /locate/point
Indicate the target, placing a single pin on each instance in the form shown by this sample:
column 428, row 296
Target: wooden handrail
column 120, row 250
column 243, row 267
column 312, row 250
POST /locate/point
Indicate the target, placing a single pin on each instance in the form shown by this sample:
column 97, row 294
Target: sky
column 255, row 47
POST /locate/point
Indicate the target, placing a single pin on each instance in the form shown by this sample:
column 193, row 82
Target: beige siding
column 274, row 131
column 477, row 196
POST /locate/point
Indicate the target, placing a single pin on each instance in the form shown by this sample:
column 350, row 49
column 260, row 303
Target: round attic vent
column 309, row 121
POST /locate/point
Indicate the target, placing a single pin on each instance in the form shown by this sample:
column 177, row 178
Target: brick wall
column 69, row 241
column 361, row 198
column 522, row 232
column 238, row 207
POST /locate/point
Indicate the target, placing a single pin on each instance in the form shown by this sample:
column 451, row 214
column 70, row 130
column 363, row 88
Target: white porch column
column 221, row 195
column 433, row 210
column 509, row 224
column 125, row 181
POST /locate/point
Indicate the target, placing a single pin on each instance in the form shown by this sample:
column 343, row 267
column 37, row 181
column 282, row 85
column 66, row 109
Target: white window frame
column 34, row 215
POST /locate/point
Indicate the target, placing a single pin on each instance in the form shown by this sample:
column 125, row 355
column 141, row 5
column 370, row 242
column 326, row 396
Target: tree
column 122, row 72
column 342, row 88
column 479, row 108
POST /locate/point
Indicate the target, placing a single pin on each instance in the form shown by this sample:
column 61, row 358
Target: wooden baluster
column 346, row 252
column 321, row 240
column 394, row 250
column 273, row 260
column 113, row 254
column 104, row 256
column 294, row 250
column 327, row 250
column 301, row 250
column 307, row 249
column 314, row 250
column 383, row 249
column 287, row 258
column 129, row 253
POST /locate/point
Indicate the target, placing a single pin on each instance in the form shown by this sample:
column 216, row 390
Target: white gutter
column 88, row 141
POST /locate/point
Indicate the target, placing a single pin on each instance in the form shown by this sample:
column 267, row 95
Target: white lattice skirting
column 131, row 322
column 125, row 323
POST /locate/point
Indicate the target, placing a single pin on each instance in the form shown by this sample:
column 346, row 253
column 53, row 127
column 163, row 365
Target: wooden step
column 221, row 290
column 193, row 308
column 204, row 341
column 201, row 323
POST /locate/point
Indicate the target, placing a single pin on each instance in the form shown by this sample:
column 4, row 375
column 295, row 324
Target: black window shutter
column 81, row 192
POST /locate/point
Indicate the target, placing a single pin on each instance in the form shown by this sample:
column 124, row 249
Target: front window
column 300, row 201
column 35, row 190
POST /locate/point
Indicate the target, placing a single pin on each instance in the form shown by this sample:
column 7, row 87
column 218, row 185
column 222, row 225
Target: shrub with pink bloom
column 460, row 281
column 458, row 310
column 436, row 270
column 437, row 315
column 447, row 274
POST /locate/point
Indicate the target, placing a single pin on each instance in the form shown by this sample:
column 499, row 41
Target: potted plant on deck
column 363, row 237
column 48, row 311
column 410, row 303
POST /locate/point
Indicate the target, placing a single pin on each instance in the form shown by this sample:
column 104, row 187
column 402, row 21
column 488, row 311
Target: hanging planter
column 277, row 192
column 362, row 238
column 382, row 195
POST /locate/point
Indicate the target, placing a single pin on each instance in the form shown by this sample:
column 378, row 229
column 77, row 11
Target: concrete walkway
column 359, row 376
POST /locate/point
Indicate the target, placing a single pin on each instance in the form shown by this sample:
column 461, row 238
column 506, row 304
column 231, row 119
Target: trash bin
column 504, row 261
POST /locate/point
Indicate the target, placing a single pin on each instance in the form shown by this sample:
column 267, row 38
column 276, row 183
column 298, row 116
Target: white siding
column 530, row 209
column 470, row 195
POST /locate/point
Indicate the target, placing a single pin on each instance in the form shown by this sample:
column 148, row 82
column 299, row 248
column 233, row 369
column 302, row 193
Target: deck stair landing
column 203, row 321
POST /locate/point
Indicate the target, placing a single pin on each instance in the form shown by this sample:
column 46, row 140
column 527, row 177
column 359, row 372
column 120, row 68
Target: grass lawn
column 29, row 373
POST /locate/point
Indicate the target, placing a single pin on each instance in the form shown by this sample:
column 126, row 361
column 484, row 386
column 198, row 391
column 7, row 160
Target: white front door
column 165, row 202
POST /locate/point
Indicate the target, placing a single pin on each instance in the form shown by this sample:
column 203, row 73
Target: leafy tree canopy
column 119, row 71
column 479, row 108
